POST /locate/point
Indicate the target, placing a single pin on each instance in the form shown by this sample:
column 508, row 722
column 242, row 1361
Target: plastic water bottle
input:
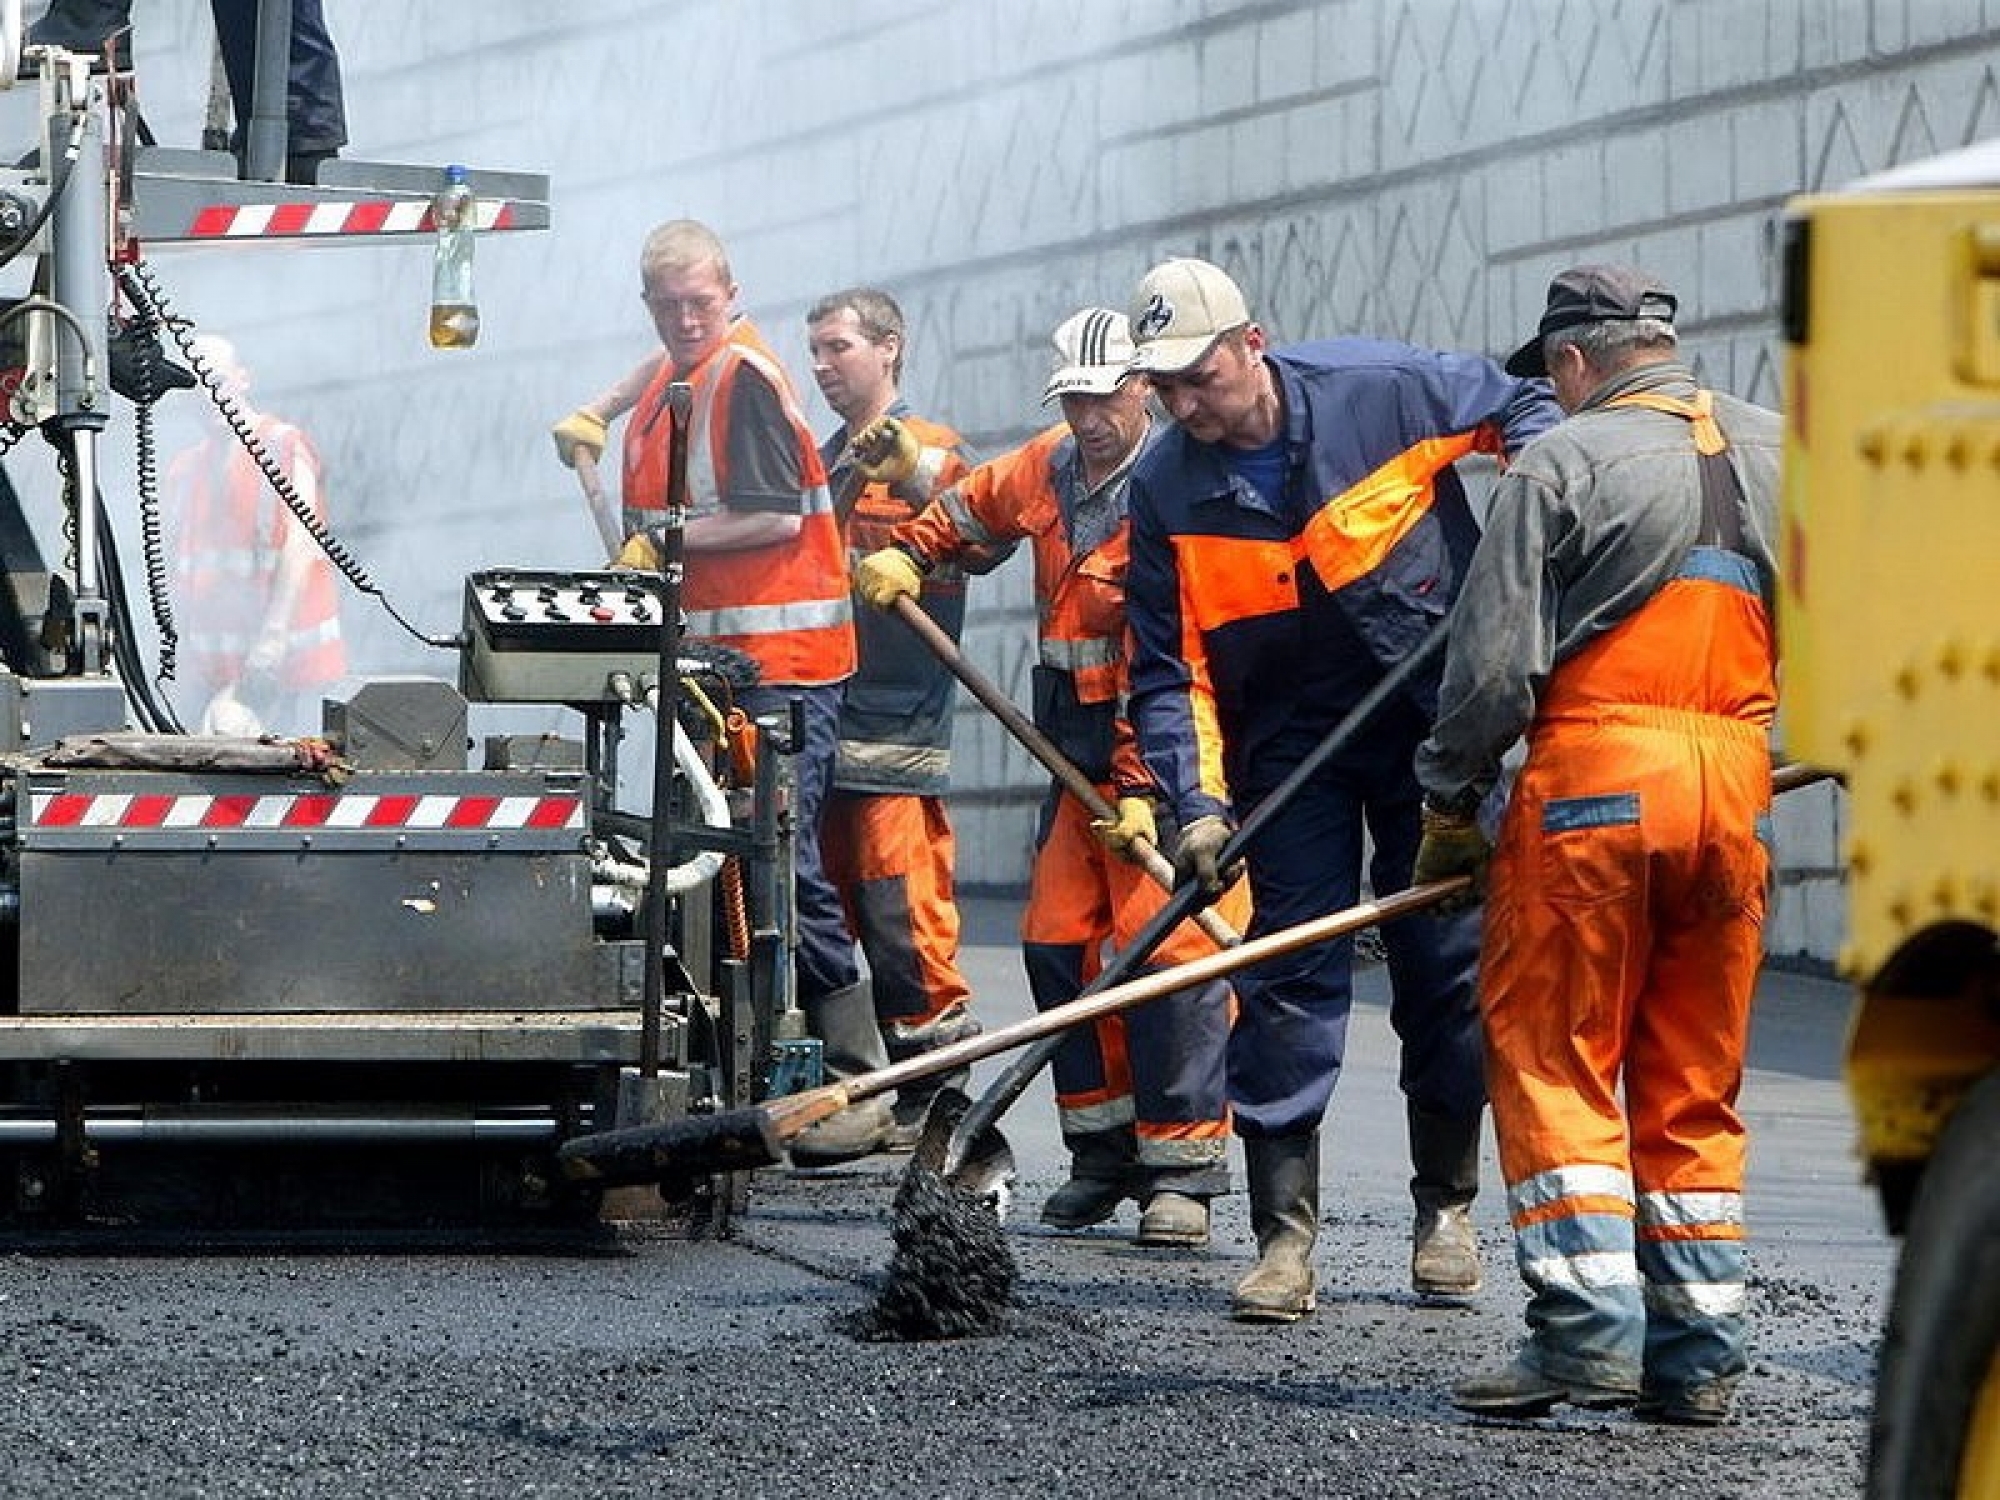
column 454, row 313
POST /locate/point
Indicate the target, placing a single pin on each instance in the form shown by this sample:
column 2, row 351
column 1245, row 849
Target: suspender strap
column 1721, row 490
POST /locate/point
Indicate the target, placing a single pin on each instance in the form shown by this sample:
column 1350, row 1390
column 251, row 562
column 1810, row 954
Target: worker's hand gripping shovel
column 1066, row 772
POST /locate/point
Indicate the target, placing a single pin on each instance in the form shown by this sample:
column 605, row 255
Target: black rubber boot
column 1283, row 1171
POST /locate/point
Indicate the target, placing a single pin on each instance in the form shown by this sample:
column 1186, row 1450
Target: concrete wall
column 1414, row 168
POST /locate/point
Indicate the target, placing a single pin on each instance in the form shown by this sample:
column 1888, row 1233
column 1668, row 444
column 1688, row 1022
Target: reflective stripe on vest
column 787, row 604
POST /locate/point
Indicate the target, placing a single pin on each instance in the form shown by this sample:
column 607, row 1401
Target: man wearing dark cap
column 1619, row 613
column 1296, row 535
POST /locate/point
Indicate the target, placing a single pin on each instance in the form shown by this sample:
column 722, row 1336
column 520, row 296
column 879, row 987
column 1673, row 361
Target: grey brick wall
column 1412, row 168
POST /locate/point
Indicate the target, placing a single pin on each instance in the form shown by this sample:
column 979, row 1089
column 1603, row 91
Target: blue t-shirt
column 1263, row 469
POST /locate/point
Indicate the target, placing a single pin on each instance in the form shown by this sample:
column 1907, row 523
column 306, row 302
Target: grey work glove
column 1197, row 855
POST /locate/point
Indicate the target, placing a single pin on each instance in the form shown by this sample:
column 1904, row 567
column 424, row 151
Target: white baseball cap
column 1093, row 349
column 1182, row 307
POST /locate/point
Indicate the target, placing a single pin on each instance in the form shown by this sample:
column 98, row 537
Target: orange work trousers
column 1622, row 941
column 1153, row 1080
column 891, row 858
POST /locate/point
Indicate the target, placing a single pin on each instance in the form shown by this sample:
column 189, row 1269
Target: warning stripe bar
column 122, row 810
column 234, row 221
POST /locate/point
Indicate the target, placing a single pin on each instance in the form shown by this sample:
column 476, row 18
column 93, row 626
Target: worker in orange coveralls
column 1618, row 611
column 1142, row 1096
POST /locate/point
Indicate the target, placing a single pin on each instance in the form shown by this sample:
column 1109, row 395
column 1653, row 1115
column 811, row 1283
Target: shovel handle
column 1067, row 773
column 610, row 530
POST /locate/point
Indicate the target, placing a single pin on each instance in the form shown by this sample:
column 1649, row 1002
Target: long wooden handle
column 610, row 530
column 1066, row 771
column 817, row 1104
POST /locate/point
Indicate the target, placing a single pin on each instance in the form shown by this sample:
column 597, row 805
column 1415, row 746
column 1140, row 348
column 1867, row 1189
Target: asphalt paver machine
column 368, row 980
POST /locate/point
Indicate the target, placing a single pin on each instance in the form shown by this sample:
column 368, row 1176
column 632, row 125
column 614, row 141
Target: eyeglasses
column 705, row 306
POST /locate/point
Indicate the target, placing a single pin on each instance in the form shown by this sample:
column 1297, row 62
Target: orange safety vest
column 786, row 605
column 232, row 536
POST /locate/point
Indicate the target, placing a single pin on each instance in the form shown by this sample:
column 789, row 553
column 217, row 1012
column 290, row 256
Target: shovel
column 1009, row 1086
column 1066, row 772
column 610, row 528
column 739, row 1139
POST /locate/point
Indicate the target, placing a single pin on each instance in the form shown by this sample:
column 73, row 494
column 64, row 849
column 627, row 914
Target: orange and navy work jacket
column 786, row 605
column 1256, row 626
column 228, row 562
column 1081, row 542
column 895, row 717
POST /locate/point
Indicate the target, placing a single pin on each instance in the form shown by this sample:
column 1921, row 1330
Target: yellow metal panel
column 1890, row 606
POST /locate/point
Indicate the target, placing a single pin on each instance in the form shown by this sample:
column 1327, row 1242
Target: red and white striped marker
column 305, row 810
column 249, row 221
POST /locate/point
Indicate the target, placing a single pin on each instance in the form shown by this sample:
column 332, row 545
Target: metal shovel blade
column 987, row 1170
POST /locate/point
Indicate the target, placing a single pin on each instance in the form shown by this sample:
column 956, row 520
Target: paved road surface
column 676, row 1368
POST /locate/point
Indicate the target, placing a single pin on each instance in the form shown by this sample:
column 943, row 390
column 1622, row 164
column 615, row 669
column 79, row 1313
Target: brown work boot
column 1444, row 1157
column 1173, row 1219
column 859, row 1130
column 1703, row 1405
column 1444, row 1253
column 1283, row 1172
column 904, row 1040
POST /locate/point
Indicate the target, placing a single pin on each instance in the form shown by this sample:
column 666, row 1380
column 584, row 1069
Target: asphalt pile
column 952, row 1273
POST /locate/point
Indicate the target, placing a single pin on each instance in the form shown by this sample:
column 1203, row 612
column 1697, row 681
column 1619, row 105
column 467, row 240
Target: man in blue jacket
column 1298, row 533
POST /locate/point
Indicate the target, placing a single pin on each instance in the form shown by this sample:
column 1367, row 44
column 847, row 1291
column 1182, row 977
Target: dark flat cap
column 1593, row 294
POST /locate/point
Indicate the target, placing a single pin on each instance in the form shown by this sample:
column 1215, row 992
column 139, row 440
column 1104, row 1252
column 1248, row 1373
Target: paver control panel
column 553, row 636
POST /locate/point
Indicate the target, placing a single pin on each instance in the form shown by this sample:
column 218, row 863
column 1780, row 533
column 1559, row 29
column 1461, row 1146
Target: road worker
column 1619, row 613
column 1141, row 1097
column 1295, row 534
column 259, row 598
column 885, row 835
column 766, row 574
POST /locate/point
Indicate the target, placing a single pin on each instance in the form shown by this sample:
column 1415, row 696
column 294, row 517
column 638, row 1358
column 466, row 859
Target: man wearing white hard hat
column 1140, row 1096
column 1297, row 533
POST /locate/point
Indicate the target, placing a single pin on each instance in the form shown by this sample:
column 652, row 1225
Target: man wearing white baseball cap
column 1141, row 1097
column 1296, row 534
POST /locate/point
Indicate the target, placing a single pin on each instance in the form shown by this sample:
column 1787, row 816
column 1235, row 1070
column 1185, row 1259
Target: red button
column 602, row 614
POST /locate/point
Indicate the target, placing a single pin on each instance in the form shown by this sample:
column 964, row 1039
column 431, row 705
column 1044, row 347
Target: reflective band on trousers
column 1584, row 1271
column 1586, row 1181
column 1089, row 1119
column 1686, row 1301
column 1688, row 1210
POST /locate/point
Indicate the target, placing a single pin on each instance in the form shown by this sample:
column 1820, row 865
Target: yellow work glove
column 1453, row 844
column 640, row 552
column 887, row 451
column 885, row 576
column 1198, row 854
column 579, row 431
column 1134, row 824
